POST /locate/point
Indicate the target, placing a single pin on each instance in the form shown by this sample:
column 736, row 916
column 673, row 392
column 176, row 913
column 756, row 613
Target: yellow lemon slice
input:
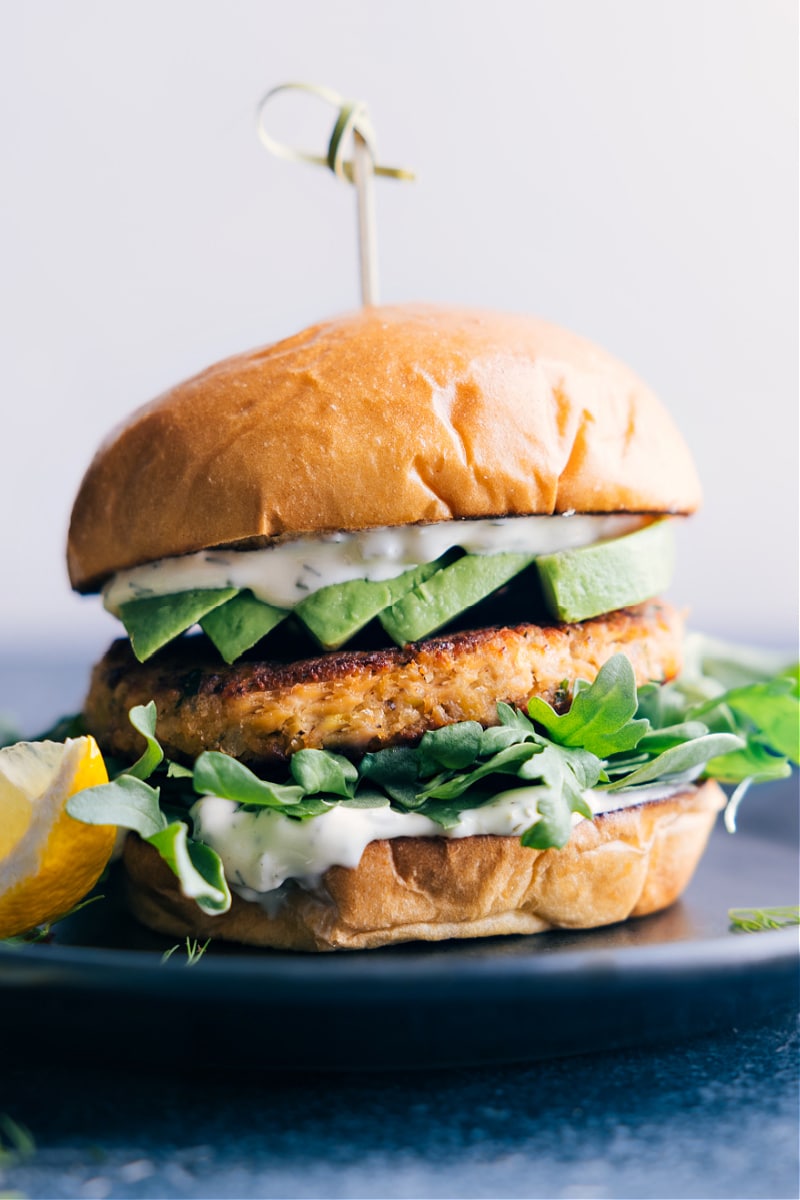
column 48, row 860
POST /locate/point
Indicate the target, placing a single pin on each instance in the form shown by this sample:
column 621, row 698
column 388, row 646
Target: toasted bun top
column 387, row 416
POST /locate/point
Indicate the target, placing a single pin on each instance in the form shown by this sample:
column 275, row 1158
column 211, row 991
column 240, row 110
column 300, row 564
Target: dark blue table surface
column 715, row 1116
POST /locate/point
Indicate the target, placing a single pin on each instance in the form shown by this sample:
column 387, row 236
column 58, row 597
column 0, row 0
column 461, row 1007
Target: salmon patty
column 356, row 701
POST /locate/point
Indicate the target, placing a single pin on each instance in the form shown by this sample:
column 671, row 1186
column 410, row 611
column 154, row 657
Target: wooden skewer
column 361, row 171
column 364, row 178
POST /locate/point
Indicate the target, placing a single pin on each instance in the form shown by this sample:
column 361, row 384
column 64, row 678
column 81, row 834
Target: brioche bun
column 388, row 416
column 623, row 864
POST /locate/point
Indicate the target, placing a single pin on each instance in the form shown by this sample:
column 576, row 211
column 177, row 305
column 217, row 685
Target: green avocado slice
column 582, row 583
column 239, row 623
column 433, row 603
column 336, row 613
column 152, row 621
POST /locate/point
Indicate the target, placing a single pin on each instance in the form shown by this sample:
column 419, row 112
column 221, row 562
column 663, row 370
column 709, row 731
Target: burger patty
column 361, row 700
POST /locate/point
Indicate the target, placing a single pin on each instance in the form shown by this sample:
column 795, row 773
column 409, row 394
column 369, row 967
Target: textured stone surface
column 715, row 1117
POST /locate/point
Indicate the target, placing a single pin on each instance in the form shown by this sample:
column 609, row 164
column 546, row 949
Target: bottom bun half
column 626, row 863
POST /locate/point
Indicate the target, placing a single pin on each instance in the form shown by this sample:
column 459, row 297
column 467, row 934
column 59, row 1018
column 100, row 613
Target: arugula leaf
column 564, row 775
column 772, row 709
column 127, row 802
column 178, row 771
column 663, row 705
column 310, row 806
column 451, row 747
column 448, row 813
column 217, row 774
column 198, row 868
column 576, row 770
column 366, row 798
column 321, row 771
column 682, row 761
column 143, row 720
column 553, row 829
column 512, row 718
column 670, row 735
column 396, row 771
column 505, row 762
column 601, row 718
column 752, row 760
column 500, row 737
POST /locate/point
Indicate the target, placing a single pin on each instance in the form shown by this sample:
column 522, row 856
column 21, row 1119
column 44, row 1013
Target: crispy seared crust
column 355, row 701
column 387, row 416
column 622, row 864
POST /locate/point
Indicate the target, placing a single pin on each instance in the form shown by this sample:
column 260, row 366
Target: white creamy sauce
column 262, row 850
column 286, row 573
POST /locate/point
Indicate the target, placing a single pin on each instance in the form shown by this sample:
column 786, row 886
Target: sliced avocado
column 433, row 603
column 582, row 583
column 239, row 623
column 335, row 613
column 152, row 621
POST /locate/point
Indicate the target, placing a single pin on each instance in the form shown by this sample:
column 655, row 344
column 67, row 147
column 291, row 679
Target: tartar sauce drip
column 286, row 573
column 261, row 850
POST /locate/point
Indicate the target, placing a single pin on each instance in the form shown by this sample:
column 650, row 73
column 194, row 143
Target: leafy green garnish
column 143, row 720
column 217, row 774
column 601, row 717
column 754, row 920
column 771, row 709
column 321, row 772
column 396, row 771
column 127, row 802
column 197, row 866
column 680, row 761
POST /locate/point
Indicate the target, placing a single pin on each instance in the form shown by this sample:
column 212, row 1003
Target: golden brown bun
column 622, row 864
column 388, row 416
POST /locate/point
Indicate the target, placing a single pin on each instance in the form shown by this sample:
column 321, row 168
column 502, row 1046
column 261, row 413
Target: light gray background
column 624, row 167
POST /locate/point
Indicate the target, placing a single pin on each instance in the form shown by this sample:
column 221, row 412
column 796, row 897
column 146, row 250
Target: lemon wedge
column 48, row 860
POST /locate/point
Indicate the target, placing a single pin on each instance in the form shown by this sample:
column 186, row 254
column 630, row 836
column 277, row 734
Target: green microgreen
column 194, row 951
column 755, row 920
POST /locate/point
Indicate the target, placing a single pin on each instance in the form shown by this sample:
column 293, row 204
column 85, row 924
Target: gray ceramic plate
column 101, row 987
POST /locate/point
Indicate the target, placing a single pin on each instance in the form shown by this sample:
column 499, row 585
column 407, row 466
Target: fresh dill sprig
column 753, row 920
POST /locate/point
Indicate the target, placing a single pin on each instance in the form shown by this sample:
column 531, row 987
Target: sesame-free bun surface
column 386, row 416
column 623, row 864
